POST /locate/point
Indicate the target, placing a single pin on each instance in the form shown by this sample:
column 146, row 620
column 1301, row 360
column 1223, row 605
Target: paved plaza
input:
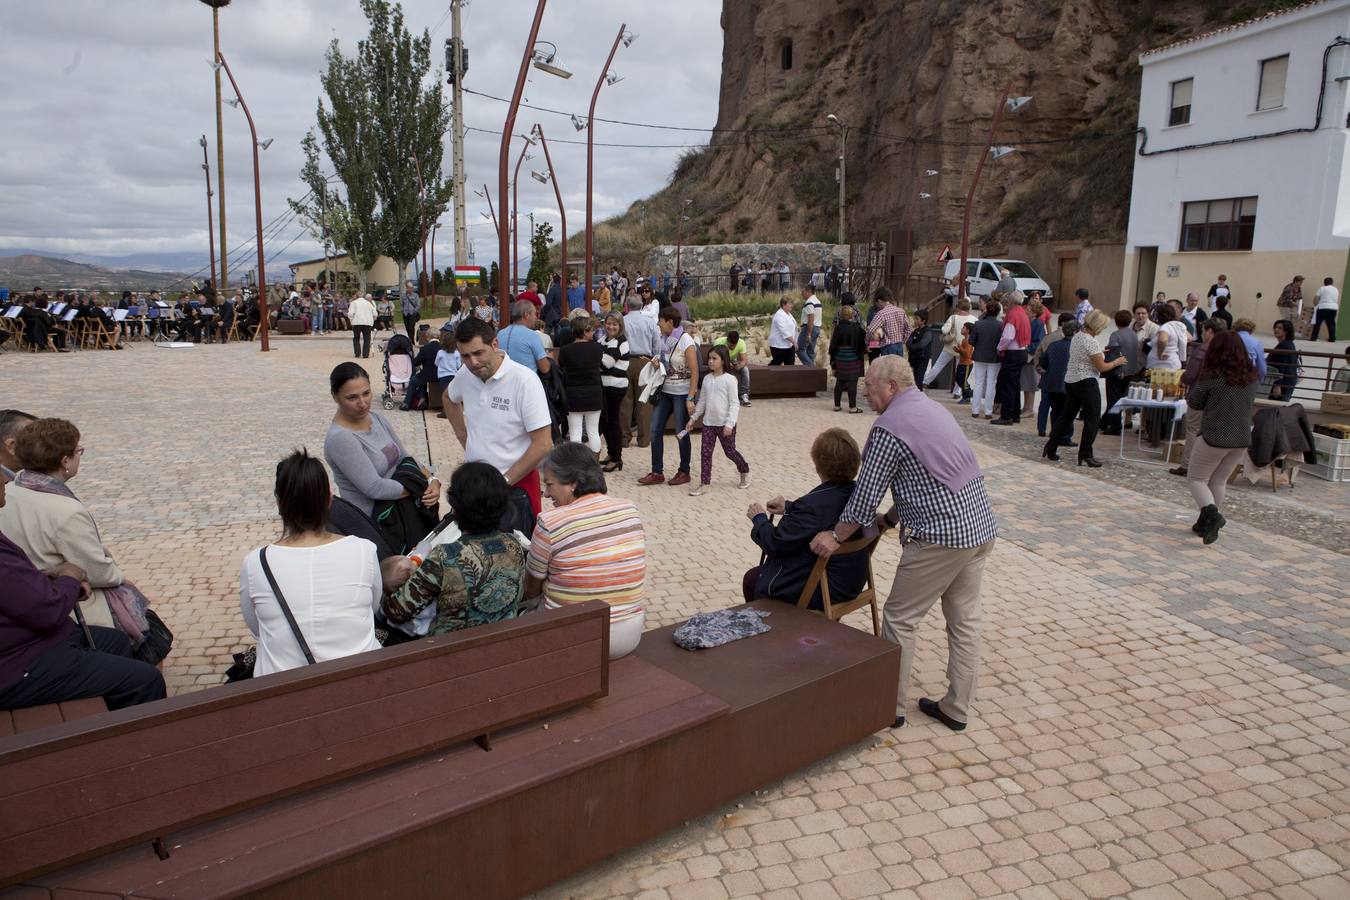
column 1155, row 718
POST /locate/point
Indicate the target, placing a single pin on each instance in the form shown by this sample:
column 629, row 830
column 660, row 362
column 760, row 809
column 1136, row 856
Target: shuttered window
column 1181, row 102
column 1273, row 73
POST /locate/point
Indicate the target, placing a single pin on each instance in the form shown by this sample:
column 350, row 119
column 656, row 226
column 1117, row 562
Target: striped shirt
column 928, row 509
column 593, row 548
column 614, row 368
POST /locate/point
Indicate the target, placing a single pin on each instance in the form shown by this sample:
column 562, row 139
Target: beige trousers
column 1193, row 417
column 926, row 573
column 632, row 405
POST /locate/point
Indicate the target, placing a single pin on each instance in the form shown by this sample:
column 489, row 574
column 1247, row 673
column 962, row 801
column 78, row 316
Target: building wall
column 384, row 274
column 1097, row 267
column 1301, row 180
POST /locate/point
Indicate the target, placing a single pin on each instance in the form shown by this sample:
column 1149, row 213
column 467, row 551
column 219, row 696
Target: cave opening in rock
column 785, row 54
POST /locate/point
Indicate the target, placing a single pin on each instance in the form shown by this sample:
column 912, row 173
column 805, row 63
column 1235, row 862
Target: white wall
column 1302, row 181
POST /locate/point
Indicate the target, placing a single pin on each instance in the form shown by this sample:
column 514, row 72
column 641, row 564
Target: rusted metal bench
column 83, row 789
column 678, row 735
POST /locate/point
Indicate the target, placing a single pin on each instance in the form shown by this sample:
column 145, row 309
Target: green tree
column 410, row 114
column 539, row 254
column 492, row 277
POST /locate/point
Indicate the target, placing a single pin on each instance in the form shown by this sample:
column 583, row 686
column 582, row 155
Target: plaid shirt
column 931, row 512
column 894, row 325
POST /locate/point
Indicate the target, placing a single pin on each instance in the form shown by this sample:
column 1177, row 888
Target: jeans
column 71, row 670
column 986, row 378
column 318, row 319
column 896, row 349
column 743, row 379
column 666, row 406
column 1329, row 317
column 806, row 345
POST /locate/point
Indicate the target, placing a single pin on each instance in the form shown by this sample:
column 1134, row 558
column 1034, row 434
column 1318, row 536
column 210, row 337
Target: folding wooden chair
column 819, row 576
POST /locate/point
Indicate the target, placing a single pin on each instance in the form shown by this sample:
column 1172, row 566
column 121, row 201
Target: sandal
column 855, row 410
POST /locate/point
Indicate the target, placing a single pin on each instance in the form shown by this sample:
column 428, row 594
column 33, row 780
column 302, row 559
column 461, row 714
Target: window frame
column 1172, row 106
column 1261, row 81
column 1234, row 234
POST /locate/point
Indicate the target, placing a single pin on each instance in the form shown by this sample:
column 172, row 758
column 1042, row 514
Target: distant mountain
column 22, row 273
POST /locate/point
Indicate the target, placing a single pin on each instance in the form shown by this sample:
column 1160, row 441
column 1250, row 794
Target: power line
column 599, row 144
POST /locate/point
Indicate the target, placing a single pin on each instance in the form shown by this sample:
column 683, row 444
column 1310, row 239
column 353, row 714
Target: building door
column 1148, row 271
column 1068, row 280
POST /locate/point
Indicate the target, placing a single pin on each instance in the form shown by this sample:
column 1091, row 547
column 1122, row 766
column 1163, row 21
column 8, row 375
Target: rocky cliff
column 916, row 83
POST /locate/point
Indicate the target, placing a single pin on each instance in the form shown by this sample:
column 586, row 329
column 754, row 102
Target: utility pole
column 456, row 66
column 220, row 146
column 842, row 174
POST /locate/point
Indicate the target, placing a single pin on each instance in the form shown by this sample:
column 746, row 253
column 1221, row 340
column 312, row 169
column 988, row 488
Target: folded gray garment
column 712, row 629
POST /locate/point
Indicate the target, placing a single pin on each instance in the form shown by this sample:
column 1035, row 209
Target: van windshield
column 1018, row 269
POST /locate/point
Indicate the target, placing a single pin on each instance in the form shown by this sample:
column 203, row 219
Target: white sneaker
column 745, row 480
column 698, row 490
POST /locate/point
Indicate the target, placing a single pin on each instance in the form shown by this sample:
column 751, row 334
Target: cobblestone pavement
column 1156, row 718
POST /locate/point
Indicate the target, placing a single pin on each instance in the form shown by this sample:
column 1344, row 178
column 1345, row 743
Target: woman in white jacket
column 718, row 408
column 951, row 338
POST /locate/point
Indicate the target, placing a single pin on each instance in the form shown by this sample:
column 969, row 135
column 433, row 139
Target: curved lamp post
column 515, row 210
column 264, row 306
column 1011, row 104
column 562, row 211
column 605, row 77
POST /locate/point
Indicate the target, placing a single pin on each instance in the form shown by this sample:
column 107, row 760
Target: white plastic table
column 1148, row 455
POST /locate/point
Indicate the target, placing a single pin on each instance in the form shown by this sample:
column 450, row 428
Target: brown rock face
column 916, row 82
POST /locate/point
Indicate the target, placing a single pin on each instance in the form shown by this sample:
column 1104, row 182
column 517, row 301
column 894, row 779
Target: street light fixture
column 629, row 38
column 1011, row 104
column 613, row 78
column 539, row 177
column 544, row 61
column 578, row 124
column 234, row 102
column 265, row 144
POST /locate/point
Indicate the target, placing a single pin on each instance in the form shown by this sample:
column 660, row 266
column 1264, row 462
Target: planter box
column 1336, row 403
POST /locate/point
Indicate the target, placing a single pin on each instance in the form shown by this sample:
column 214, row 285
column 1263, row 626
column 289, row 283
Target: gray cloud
column 104, row 103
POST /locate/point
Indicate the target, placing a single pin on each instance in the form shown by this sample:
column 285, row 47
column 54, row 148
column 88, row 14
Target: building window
column 1181, row 102
column 1270, row 95
column 1218, row 224
column 785, row 55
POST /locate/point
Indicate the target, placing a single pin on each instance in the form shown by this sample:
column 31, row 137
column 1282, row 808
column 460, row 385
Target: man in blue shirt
column 576, row 294
column 521, row 342
column 644, row 337
column 1255, row 351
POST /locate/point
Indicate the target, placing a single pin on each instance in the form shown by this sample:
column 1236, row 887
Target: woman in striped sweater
column 614, row 378
column 590, row 546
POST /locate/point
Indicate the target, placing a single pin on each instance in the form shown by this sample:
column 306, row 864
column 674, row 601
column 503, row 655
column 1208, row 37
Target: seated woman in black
column 45, row 657
column 788, row 559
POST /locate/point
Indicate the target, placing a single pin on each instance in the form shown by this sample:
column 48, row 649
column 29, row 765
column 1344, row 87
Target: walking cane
column 84, row 626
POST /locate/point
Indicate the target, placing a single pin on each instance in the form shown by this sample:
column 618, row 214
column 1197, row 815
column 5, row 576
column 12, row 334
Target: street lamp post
column 433, row 259
column 1012, row 104
column 843, row 172
column 503, row 160
column 421, row 210
column 224, row 282
column 257, row 208
column 562, row 212
column 590, row 160
column 679, row 236
column 515, row 211
column 210, row 231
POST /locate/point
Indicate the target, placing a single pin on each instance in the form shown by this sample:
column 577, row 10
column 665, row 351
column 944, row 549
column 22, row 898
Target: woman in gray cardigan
column 361, row 446
column 1225, row 392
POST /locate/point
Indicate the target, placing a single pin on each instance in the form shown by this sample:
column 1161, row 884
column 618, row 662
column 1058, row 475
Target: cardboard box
column 1336, row 403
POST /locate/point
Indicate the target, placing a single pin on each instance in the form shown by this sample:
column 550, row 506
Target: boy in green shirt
column 740, row 361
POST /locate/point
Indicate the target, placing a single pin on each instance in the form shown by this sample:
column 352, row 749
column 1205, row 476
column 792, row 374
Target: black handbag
column 156, row 641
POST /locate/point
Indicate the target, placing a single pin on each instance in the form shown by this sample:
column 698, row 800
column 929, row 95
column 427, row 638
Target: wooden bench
column 678, row 735
column 83, row 789
column 787, row 381
column 18, row 721
column 291, row 326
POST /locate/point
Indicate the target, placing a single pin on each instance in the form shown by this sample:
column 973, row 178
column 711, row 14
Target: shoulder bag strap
column 285, row 607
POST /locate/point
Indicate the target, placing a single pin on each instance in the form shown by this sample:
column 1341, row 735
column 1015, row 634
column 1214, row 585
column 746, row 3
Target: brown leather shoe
column 654, row 478
column 1179, row 470
column 680, row 478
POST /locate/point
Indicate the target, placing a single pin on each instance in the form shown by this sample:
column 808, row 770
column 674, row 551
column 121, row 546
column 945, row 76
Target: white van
column 982, row 276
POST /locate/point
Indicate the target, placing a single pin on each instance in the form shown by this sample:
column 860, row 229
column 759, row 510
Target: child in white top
column 718, row 408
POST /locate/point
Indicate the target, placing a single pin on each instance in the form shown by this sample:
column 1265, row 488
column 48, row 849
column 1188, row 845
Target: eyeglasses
column 79, row 451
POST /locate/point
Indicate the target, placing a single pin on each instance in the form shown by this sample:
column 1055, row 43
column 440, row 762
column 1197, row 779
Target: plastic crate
column 1331, row 452
column 1326, row 473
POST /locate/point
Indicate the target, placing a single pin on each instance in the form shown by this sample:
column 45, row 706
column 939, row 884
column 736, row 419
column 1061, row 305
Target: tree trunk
column 361, row 275
column 402, row 275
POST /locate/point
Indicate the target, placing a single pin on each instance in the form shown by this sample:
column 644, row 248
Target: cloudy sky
column 103, row 104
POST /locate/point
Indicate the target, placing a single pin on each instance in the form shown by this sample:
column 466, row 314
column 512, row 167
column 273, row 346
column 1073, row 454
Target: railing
column 1317, row 373
column 757, row 282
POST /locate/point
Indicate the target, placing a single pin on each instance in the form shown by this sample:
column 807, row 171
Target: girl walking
column 718, row 408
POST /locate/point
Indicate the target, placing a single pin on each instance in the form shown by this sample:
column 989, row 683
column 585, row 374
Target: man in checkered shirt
column 918, row 452
column 890, row 325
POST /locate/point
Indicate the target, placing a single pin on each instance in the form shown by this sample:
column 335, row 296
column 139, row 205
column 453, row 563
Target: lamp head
column 202, row 141
column 930, row 172
column 265, row 143
column 1016, row 103
column 233, row 101
column 577, row 123
column 1000, row 152
column 628, row 38
column 924, row 196
column 539, row 177
column 613, row 78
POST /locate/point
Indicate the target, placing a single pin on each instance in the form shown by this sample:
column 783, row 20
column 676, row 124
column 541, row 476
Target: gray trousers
column 927, row 573
column 1193, row 417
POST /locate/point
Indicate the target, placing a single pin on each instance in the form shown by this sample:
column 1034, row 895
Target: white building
column 1235, row 174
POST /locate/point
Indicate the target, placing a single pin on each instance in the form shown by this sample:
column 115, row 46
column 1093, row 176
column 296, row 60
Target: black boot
column 1216, row 521
column 1202, row 522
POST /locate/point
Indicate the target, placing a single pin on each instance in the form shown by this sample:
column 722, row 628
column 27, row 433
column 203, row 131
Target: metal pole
column 843, row 176
column 220, row 161
column 562, row 212
column 495, row 225
column 421, row 211
column 263, row 305
column 457, row 141
column 970, row 196
column 590, row 164
column 515, row 216
column 434, row 227
column 508, row 129
column 210, row 232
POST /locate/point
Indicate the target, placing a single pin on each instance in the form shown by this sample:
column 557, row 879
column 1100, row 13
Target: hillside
column 916, row 81
column 23, row 272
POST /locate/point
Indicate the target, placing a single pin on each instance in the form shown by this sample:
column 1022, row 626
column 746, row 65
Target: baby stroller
column 398, row 370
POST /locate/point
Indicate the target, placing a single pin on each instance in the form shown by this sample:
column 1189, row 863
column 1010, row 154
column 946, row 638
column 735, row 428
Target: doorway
column 1068, row 279
column 1147, row 272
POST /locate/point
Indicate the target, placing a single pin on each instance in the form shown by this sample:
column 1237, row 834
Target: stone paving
column 1156, row 718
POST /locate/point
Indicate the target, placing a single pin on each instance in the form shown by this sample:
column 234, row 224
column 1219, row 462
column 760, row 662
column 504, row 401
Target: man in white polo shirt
column 498, row 409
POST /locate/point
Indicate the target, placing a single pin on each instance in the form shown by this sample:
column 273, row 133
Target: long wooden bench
column 786, row 381
column 291, row 326
column 82, row 789
column 18, row 721
column 679, row 734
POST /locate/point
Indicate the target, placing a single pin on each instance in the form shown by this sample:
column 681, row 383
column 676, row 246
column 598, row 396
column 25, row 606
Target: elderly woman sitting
column 788, row 559
column 589, row 547
column 45, row 518
column 476, row 579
